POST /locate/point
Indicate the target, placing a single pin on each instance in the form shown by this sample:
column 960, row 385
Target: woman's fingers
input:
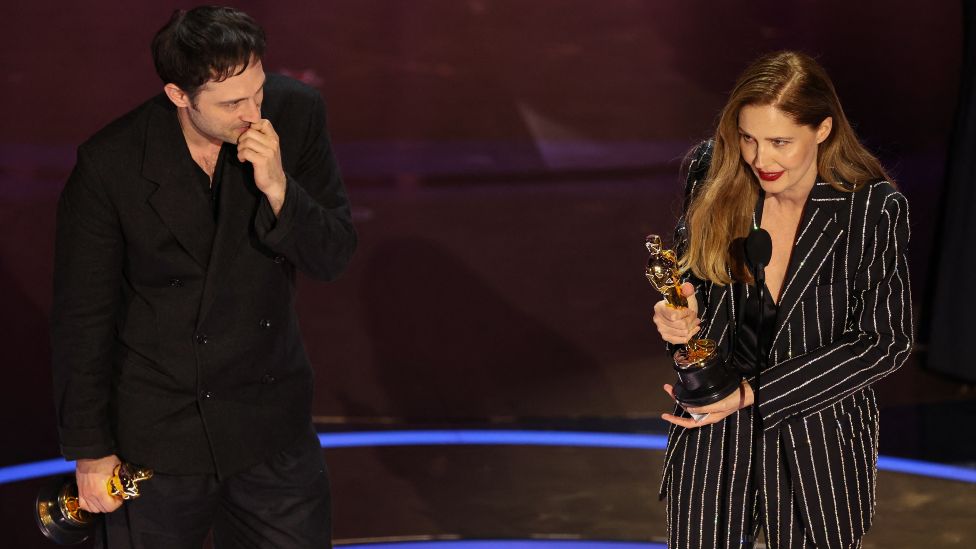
column 689, row 423
column 689, row 292
column 675, row 331
column 670, row 331
column 677, row 336
column 672, row 314
column 685, row 422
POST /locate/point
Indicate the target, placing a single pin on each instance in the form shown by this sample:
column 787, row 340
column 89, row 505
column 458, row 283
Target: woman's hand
column 715, row 412
column 678, row 325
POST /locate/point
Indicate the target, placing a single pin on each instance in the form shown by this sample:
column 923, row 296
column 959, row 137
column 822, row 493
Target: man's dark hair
column 206, row 43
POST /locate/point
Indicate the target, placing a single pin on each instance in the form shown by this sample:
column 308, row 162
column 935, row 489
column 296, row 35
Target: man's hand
column 259, row 146
column 716, row 411
column 678, row 325
column 93, row 476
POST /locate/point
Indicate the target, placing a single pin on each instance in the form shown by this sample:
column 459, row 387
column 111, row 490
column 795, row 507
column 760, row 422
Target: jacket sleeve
column 88, row 262
column 314, row 227
column 878, row 337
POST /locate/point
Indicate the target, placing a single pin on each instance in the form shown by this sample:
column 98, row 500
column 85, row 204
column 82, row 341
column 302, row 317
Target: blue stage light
column 926, row 469
column 493, row 438
column 507, row 544
column 38, row 469
column 457, row 437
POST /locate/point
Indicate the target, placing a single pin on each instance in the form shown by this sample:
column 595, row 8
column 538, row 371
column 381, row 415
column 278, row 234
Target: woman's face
column 782, row 154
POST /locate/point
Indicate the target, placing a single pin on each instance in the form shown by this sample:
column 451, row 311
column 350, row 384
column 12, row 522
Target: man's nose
column 252, row 111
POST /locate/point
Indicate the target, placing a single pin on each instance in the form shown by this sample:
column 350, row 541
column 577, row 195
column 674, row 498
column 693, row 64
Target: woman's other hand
column 715, row 412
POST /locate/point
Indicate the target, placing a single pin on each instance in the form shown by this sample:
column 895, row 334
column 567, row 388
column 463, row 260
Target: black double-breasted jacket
column 175, row 339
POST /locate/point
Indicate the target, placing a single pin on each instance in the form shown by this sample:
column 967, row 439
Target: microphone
column 758, row 252
column 759, row 249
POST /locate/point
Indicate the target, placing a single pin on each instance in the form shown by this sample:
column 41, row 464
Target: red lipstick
column 769, row 176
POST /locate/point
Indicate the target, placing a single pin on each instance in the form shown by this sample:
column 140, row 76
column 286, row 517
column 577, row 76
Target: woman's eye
column 746, row 138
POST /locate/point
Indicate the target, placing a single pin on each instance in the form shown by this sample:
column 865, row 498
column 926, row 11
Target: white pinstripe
column 830, row 478
column 708, row 459
column 718, row 491
column 816, row 480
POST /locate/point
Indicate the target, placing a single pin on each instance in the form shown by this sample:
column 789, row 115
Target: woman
column 837, row 318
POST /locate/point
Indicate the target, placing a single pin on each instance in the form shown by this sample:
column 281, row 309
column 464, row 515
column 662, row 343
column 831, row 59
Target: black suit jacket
column 844, row 322
column 175, row 340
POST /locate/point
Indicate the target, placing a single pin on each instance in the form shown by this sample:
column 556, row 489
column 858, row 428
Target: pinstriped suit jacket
column 844, row 321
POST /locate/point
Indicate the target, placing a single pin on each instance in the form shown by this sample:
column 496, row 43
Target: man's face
column 224, row 110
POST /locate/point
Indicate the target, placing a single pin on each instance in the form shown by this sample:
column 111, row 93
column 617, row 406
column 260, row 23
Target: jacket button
column 206, row 395
column 279, row 259
column 268, row 379
column 264, row 323
column 202, row 339
column 176, row 283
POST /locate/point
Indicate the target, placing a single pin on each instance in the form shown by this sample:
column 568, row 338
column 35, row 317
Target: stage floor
column 390, row 495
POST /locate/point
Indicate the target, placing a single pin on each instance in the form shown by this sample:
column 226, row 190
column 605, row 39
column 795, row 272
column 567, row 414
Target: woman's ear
column 823, row 131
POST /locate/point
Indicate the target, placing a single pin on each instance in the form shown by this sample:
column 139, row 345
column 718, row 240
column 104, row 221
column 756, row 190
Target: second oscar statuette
column 57, row 511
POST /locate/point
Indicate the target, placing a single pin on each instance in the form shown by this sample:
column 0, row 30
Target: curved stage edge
column 505, row 544
column 461, row 437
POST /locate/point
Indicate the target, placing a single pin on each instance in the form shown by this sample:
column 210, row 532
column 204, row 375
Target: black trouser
column 281, row 503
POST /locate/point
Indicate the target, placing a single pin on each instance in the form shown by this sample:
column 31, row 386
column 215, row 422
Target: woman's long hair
column 722, row 208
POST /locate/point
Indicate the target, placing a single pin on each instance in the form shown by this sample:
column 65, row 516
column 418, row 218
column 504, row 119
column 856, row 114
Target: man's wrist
column 276, row 199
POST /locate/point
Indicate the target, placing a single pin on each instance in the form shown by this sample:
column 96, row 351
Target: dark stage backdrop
column 951, row 308
column 505, row 159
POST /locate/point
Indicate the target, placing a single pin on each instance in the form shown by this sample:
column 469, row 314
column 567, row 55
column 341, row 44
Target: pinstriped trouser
column 712, row 501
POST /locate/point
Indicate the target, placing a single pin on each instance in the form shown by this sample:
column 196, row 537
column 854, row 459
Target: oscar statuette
column 703, row 377
column 61, row 519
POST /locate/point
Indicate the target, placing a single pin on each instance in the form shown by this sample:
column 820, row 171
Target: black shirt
column 747, row 345
column 212, row 186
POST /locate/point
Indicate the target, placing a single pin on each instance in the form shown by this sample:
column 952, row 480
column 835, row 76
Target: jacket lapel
column 819, row 231
column 179, row 199
column 236, row 208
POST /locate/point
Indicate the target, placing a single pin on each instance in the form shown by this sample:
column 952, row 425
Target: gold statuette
column 59, row 515
column 662, row 272
column 703, row 377
column 125, row 480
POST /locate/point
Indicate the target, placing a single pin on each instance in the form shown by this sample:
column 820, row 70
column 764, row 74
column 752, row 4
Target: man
column 175, row 341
